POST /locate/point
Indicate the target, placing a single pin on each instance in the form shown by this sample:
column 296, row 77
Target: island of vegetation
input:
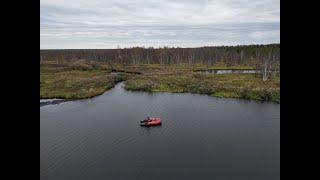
column 85, row 73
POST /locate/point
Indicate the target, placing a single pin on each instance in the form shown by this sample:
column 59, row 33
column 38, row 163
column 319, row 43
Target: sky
column 107, row 24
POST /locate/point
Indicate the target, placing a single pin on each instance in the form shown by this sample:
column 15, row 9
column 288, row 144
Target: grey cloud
column 107, row 24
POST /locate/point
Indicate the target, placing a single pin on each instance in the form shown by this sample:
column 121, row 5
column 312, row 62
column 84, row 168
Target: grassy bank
column 184, row 80
column 76, row 82
column 82, row 79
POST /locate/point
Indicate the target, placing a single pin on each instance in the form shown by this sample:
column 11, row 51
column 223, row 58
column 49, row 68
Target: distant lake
column 201, row 137
column 234, row 71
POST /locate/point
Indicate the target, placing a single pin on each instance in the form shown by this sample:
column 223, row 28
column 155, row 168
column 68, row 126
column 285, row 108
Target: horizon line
column 160, row 47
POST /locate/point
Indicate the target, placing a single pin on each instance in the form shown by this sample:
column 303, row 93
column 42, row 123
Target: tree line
column 230, row 55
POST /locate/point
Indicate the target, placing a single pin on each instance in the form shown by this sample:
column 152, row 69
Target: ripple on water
column 200, row 136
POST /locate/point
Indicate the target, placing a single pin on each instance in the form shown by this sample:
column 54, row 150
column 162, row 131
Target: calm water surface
column 201, row 137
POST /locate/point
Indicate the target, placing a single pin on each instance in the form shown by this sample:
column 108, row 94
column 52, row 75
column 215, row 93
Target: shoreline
column 44, row 102
column 219, row 95
column 75, row 84
column 50, row 101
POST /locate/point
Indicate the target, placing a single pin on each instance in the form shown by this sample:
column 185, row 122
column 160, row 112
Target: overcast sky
column 88, row 24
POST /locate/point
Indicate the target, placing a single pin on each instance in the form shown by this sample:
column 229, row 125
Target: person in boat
column 146, row 120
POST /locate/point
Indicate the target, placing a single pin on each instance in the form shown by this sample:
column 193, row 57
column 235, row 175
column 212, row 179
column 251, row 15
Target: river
column 201, row 137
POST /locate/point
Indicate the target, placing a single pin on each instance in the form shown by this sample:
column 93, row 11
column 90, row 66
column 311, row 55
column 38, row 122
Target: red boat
column 151, row 122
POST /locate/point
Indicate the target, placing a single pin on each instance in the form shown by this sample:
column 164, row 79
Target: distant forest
column 265, row 55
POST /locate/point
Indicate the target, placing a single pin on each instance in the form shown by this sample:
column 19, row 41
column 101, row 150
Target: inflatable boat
column 151, row 122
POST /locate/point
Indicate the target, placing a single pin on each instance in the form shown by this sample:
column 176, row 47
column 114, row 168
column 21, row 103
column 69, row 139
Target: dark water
column 235, row 71
column 201, row 137
column 231, row 71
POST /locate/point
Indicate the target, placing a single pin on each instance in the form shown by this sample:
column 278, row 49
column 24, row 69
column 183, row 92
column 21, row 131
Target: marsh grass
column 244, row 86
column 68, row 82
column 85, row 79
